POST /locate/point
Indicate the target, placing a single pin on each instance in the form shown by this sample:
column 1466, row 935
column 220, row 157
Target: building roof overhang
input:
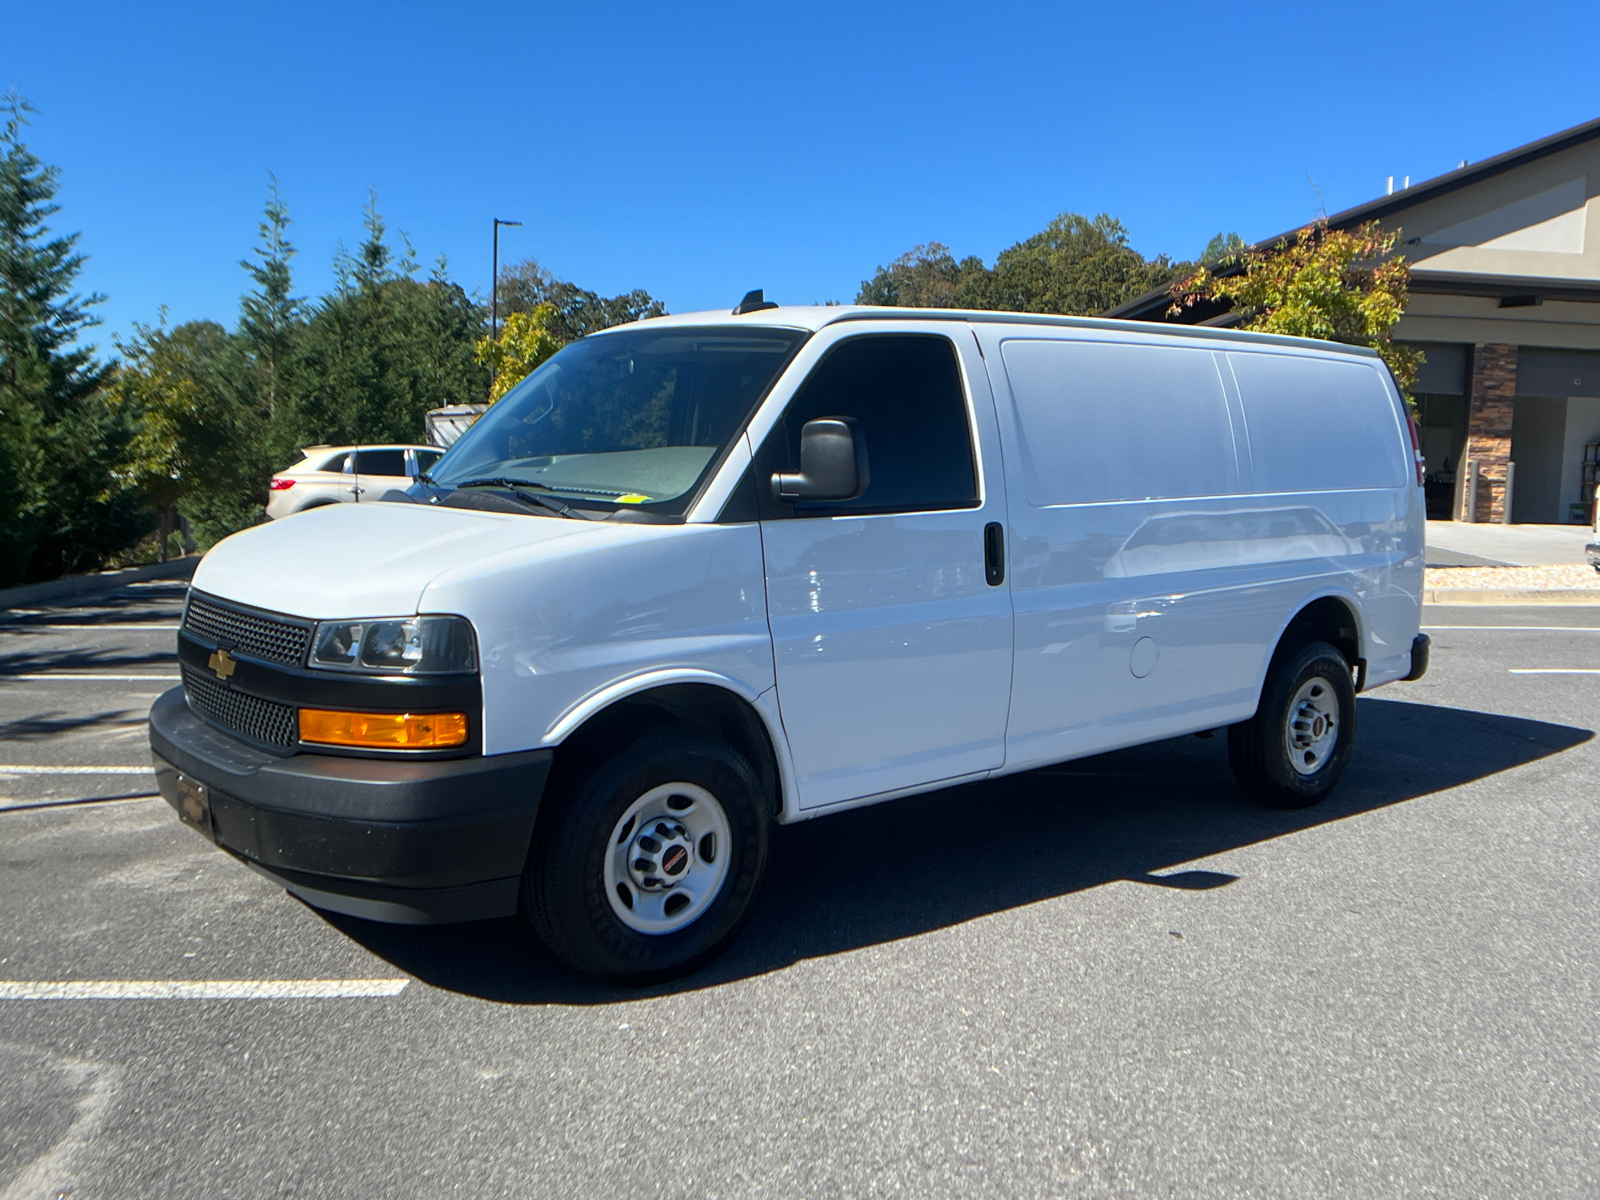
column 1151, row 305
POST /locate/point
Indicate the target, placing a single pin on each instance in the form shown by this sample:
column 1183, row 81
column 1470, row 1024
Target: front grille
column 264, row 721
column 273, row 639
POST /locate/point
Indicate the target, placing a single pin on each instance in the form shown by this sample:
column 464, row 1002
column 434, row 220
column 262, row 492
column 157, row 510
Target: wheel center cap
column 660, row 855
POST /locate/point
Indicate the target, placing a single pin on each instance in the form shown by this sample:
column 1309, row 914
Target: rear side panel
column 1165, row 528
column 1327, row 433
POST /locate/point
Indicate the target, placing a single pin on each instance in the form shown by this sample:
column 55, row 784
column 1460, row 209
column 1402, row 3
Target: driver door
column 891, row 627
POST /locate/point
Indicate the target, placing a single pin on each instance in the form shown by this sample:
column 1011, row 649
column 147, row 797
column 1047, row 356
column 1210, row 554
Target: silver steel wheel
column 1312, row 729
column 668, row 858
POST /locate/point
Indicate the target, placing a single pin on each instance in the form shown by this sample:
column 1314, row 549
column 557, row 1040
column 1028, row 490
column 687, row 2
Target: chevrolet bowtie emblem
column 222, row 663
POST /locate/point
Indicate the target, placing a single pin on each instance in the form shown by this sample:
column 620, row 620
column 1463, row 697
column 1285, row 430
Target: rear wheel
column 648, row 864
column 1293, row 751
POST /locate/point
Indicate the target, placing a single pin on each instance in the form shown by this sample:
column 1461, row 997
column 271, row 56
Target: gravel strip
column 1565, row 577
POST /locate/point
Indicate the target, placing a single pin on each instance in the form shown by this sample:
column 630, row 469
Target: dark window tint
column 905, row 389
column 426, row 459
column 380, row 462
column 333, row 462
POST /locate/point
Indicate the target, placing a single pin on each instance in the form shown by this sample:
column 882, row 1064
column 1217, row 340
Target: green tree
column 271, row 317
column 188, row 392
column 1223, row 246
column 65, row 501
column 1338, row 285
column 578, row 312
column 383, row 348
column 1075, row 265
column 525, row 341
column 926, row 276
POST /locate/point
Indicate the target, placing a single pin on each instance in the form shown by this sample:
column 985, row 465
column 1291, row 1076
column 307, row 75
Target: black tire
column 563, row 886
column 1259, row 749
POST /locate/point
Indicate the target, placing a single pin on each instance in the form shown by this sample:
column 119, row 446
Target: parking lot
column 1109, row 978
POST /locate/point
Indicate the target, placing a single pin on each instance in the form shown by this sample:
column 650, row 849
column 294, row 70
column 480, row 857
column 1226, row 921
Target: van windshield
column 633, row 418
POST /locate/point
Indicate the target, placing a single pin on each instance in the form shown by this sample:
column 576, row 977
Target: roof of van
column 812, row 317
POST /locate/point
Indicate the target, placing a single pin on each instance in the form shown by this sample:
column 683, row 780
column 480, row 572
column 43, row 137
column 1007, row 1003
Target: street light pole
column 494, row 281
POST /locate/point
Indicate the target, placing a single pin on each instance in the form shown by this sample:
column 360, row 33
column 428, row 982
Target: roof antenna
column 754, row 302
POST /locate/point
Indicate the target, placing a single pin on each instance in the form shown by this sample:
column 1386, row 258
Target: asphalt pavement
column 1112, row 978
column 1466, row 544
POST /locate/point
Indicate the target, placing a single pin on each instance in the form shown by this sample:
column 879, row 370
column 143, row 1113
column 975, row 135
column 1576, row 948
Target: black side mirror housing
column 833, row 463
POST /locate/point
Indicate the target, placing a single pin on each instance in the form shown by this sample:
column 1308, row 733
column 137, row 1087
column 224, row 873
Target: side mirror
column 833, row 463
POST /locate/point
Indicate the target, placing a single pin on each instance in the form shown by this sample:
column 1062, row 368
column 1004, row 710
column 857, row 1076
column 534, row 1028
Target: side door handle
column 994, row 553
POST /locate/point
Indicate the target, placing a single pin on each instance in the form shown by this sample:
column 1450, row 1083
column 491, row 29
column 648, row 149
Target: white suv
column 344, row 474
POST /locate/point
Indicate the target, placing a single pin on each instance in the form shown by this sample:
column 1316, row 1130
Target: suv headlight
column 396, row 645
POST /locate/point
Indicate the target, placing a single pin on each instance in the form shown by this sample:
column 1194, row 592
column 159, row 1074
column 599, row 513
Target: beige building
column 1505, row 304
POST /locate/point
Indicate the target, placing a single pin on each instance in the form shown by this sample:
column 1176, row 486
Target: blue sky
column 701, row 150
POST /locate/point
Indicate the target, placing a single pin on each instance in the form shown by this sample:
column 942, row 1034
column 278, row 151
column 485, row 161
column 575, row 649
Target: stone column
column 1494, row 390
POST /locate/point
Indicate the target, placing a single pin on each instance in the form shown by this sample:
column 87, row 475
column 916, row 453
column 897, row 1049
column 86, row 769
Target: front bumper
column 418, row 842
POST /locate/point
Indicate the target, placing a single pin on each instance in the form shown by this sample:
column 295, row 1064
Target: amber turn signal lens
column 383, row 731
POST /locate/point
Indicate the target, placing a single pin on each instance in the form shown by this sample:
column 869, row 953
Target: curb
column 79, row 587
column 1511, row 596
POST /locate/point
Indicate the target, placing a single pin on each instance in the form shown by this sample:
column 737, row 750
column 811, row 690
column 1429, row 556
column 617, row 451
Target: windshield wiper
column 505, row 481
column 520, row 489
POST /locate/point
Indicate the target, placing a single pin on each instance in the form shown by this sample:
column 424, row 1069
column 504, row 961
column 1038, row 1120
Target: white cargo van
column 703, row 573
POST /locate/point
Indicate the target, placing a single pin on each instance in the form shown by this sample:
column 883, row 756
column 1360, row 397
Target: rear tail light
column 281, row 485
column 1416, row 450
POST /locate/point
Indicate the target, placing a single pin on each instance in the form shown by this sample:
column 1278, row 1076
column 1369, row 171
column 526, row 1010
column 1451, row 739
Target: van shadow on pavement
column 910, row 866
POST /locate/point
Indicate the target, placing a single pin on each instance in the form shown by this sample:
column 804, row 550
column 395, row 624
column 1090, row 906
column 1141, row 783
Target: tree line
column 170, row 442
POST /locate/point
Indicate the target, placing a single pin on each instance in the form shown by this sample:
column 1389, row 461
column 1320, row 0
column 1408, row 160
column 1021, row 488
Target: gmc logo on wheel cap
column 674, row 860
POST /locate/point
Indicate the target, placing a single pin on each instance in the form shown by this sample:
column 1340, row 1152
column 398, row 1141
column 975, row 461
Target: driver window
column 906, row 391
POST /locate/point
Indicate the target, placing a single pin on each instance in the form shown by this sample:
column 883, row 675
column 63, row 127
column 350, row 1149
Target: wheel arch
column 1332, row 616
column 696, row 699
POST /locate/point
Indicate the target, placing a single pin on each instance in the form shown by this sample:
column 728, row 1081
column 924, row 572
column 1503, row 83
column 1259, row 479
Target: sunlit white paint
column 1212, row 579
column 893, row 653
column 872, row 648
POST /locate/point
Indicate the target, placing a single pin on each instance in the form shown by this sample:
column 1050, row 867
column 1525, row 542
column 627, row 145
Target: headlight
column 397, row 645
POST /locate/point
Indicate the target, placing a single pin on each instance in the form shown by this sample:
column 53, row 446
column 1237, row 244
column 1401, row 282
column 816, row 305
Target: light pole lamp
column 494, row 281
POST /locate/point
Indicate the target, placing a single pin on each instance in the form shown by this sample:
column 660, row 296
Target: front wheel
column 649, row 863
column 1293, row 751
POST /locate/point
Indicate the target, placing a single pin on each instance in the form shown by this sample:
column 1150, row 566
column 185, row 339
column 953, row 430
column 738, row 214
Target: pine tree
column 384, row 347
column 63, row 504
column 270, row 317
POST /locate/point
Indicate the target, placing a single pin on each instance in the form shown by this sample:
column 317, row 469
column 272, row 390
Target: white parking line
column 1555, row 670
column 118, row 626
column 20, row 769
column 55, row 675
column 1532, row 629
column 211, row 989
column 11, row 806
